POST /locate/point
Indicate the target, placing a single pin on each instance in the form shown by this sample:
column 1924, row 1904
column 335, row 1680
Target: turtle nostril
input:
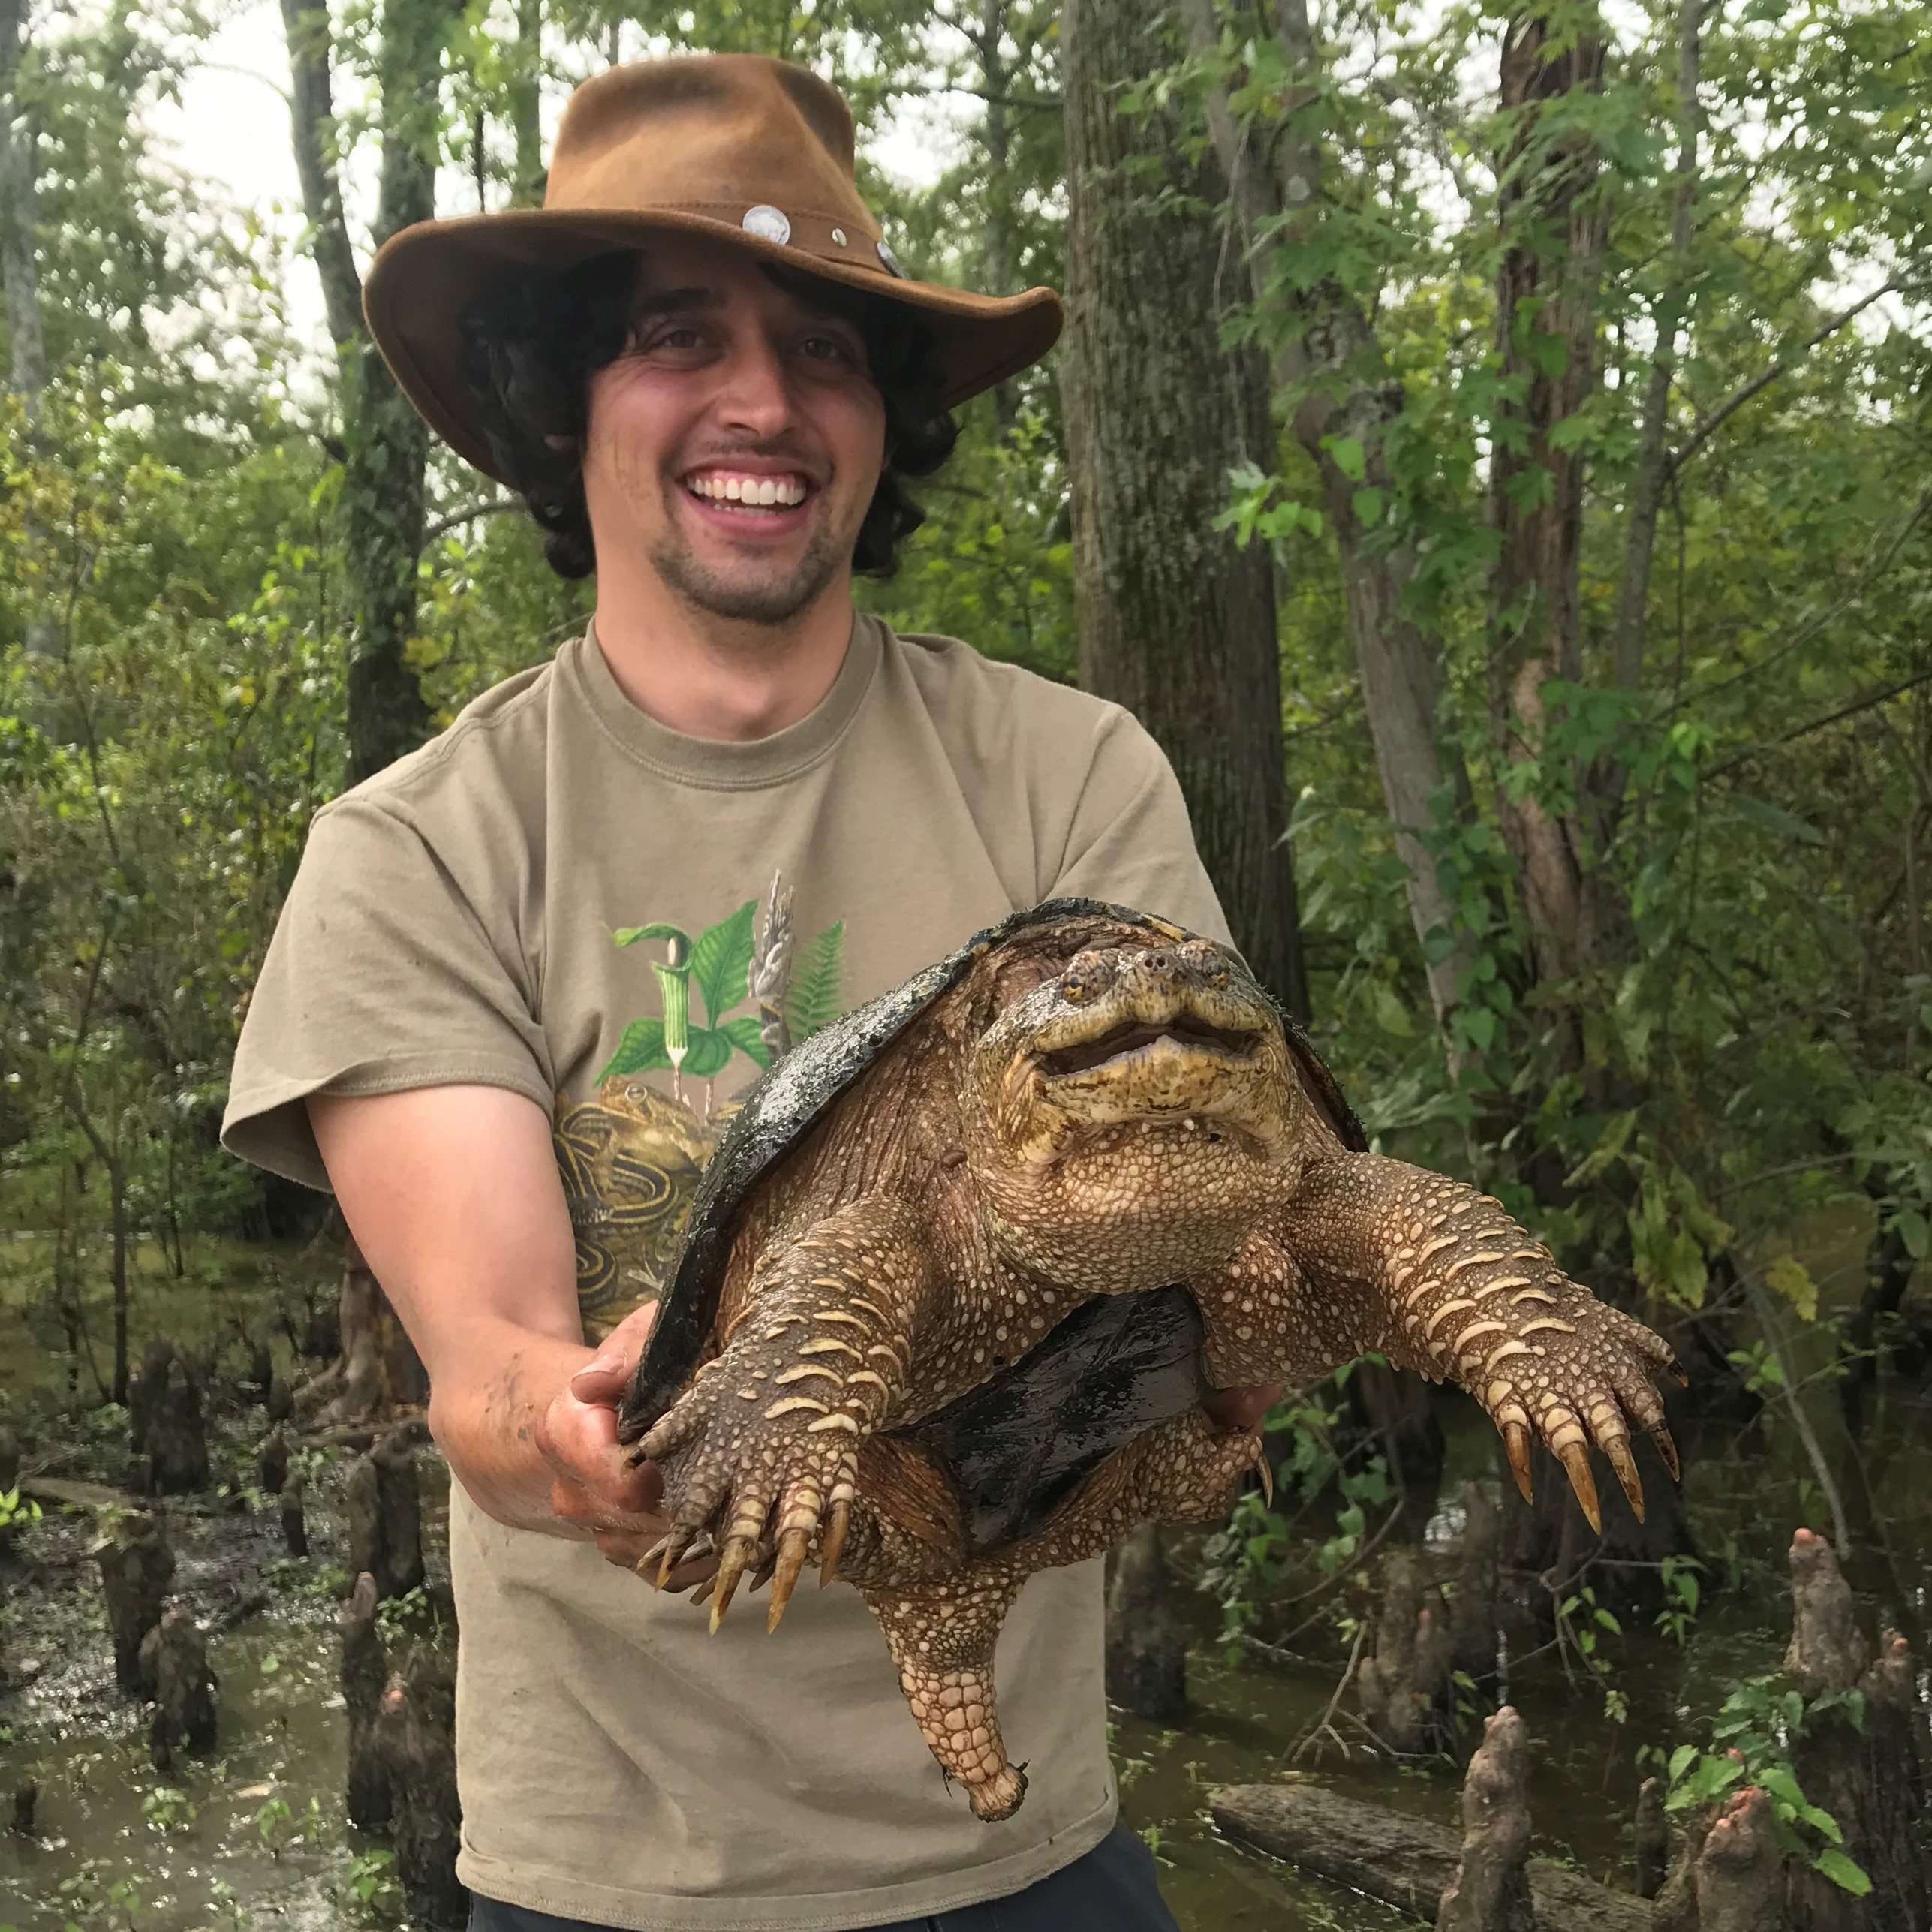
column 1089, row 976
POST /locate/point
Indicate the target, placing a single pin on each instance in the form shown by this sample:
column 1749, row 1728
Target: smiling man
column 606, row 898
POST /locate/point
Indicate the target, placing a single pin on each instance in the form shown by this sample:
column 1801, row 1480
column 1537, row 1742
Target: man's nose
column 756, row 396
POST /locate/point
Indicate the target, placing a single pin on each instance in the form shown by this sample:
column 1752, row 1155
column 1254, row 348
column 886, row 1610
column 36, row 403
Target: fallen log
column 1405, row 1862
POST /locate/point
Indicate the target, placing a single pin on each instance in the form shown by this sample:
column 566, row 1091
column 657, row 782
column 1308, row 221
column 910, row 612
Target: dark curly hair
column 531, row 345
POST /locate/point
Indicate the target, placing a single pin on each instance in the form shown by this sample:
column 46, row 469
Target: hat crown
column 714, row 132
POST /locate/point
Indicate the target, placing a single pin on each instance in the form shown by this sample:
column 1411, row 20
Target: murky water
column 255, row 1836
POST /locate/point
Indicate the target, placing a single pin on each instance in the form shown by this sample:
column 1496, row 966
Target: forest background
column 1489, row 449
column 1520, row 480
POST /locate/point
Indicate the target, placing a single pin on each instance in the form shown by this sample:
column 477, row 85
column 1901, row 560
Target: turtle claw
column 1575, row 1458
column 1516, row 1444
column 1617, row 1448
column 831, row 1540
column 738, row 1552
column 671, row 1550
column 789, row 1562
column 1266, row 1473
column 1660, row 1438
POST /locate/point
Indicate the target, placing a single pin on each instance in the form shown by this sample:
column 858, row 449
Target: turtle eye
column 1204, row 957
column 1089, row 976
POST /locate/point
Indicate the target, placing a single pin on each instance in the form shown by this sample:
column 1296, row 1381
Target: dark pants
column 1112, row 1889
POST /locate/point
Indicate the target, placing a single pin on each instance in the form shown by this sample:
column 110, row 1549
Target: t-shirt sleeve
column 1130, row 841
column 381, row 976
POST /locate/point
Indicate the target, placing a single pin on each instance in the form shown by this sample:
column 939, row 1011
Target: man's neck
column 709, row 677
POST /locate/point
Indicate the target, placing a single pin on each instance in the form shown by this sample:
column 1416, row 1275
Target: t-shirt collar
column 724, row 764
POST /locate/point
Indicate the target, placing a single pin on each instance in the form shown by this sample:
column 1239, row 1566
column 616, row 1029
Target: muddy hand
column 595, row 1485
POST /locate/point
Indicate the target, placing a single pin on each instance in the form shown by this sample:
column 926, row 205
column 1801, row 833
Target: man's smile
column 763, row 496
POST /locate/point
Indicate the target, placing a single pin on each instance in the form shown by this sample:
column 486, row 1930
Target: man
column 709, row 379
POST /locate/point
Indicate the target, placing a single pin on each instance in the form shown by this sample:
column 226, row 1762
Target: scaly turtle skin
column 910, row 1220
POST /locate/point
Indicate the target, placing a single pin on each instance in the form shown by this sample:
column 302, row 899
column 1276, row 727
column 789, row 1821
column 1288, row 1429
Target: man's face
column 737, row 442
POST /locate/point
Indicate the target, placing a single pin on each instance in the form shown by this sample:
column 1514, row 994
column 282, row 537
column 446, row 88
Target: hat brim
column 424, row 278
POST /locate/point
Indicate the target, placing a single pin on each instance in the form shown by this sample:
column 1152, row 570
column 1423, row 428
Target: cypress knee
column 364, row 1671
column 136, row 1566
column 1490, row 1890
column 414, row 1734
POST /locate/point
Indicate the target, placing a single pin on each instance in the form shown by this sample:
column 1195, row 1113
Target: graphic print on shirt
column 631, row 1155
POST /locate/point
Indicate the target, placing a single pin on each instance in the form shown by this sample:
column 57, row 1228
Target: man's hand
column 593, row 1483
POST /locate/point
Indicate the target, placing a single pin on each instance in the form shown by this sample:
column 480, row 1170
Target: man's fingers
column 603, row 1379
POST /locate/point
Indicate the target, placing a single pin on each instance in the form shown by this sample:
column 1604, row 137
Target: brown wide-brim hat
column 752, row 151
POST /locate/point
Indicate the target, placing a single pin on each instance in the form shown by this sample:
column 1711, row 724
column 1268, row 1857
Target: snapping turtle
column 967, row 1263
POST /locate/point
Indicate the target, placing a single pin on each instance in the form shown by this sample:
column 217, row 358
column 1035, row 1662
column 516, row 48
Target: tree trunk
column 1404, row 1861
column 1330, row 366
column 414, row 1733
column 1175, row 620
column 1000, row 273
column 1146, row 1647
column 386, row 444
column 1545, row 319
column 526, row 101
column 20, row 261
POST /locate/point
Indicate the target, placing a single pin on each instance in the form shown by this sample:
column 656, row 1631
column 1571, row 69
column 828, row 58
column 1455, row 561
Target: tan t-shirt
column 453, row 922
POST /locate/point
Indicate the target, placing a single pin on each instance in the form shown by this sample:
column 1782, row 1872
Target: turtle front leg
column 1373, row 1253
column 762, row 1449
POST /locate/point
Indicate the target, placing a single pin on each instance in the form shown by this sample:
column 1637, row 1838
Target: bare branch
column 1797, row 731
column 1782, row 366
column 468, row 514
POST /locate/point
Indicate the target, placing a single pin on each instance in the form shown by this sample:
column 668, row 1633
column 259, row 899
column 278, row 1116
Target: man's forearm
column 486, row 1410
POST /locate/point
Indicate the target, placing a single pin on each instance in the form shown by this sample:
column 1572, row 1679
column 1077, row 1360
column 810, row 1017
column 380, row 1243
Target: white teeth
column 758, row 491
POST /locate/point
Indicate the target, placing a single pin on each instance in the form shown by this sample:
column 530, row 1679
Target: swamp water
column 256, row 1836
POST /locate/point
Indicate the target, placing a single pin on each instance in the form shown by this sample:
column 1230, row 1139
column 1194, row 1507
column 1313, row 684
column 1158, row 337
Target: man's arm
column 455, row 1200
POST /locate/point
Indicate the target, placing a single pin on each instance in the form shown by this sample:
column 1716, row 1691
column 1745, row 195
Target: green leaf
column 742, row 1032
column 1347, row 454
column 1679, row 1759
column 1911, row 1225
column 628, row 935
column 640, row 1051
column 1781, row 1781
column 1775, row 819
column 721, row 960
column 709, row 1053
column 1366, row 504
column 815, row 997
column 1845, row 1873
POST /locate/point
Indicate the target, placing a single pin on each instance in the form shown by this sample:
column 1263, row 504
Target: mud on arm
column 1439, row 1279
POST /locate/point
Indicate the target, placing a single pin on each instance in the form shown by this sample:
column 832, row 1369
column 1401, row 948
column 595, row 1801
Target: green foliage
column 1750, row 1739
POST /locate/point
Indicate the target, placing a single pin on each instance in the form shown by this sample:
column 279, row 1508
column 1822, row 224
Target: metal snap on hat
column 754, row 151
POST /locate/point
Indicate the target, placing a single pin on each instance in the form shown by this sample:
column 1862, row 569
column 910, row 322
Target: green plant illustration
column 698, row 1039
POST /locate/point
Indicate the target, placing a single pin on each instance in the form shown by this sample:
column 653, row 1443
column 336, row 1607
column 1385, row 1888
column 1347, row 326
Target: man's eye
column 829, row 349
column 682, row 335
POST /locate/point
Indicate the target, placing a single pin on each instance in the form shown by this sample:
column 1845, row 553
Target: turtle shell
column 787, row 1102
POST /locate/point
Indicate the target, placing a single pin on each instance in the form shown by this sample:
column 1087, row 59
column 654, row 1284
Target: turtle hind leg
column 941, row 1638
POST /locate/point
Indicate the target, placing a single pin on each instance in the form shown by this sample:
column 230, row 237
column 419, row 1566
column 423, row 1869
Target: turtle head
column 1137, row 1096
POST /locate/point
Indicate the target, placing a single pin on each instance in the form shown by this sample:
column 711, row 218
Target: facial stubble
column 769, row 603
